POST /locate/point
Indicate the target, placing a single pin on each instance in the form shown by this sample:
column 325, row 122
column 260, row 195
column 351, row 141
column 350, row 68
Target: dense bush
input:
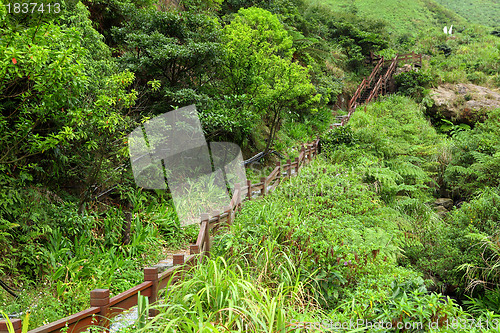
column 342, row 135
column 475, row 161
column 413, row 83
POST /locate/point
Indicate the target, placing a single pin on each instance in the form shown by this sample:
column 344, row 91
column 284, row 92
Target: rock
column 464, row 103
column 447, row 203
column 441, row 211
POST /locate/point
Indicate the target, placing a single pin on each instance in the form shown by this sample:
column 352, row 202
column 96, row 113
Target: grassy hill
column 403, row 16
column 485, row 12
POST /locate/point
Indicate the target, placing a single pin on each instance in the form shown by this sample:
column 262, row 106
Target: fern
column 487, row 273
column 411, row 172
column 459, row 171
column 385, row 176
column 487, row 168
column 481, row 157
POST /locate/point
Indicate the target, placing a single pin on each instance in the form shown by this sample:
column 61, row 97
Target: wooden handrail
column 391, row 69
column 357, row 94
column 273, row 174
column 381, row 83
column 16, row 325
column 77, row 322
column 375, row 71
column 375, row 90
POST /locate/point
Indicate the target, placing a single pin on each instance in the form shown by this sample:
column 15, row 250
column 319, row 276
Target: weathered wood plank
column 274, row 173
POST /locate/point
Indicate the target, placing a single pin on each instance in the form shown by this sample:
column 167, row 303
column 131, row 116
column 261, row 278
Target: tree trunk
column 126, row 228
column 273, row 130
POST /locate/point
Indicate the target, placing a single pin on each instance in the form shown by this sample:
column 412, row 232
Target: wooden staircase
column 378, row 83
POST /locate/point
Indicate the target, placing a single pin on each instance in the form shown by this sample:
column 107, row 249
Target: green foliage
column 193, row 5
column 72, row 265
column 402, row 17
column 474, row 165
column 299, row 217
column 413, row 83
column 402, row 158
column 35, row 71
column 142, row 310
column 472, row 55
column 476, row 223
column 177, row 48
column 328, row 246
column 258, row 63
column 489, row 302
column 107, row 14
column 451, row 128
column 342, row 135
column 220, row 295
column 358, row 273
column 396, row 149
column 355, row 36
column 54, row 93
column 485, row 12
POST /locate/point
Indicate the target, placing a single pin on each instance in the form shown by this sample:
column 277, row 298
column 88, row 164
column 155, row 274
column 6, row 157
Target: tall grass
column 221, row 296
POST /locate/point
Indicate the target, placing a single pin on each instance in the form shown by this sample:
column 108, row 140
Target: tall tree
column 258, row 63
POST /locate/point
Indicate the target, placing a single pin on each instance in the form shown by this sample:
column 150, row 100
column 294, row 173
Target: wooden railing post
column 194, row 249
column 178, row 259
column 263, row 192
column 297, row 165
column 229, row 212
column 249, row 191
column 278, row 175
column 16, row 324
column 237, row 189
column 204, row 218
column 288, row 168
column 100, row 298
column 151, row 274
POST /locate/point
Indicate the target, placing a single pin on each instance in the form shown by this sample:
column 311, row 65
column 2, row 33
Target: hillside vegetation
column 352, row 239
column 403, row 18
column 483, row 12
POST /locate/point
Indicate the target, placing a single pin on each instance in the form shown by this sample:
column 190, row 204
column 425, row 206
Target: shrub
column 413, row 83
column 342, row 135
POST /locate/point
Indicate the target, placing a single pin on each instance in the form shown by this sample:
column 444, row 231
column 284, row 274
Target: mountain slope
column 485, row 12
column 403, row 16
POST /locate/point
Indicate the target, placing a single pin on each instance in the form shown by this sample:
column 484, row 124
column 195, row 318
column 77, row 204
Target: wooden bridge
column 379, row 82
